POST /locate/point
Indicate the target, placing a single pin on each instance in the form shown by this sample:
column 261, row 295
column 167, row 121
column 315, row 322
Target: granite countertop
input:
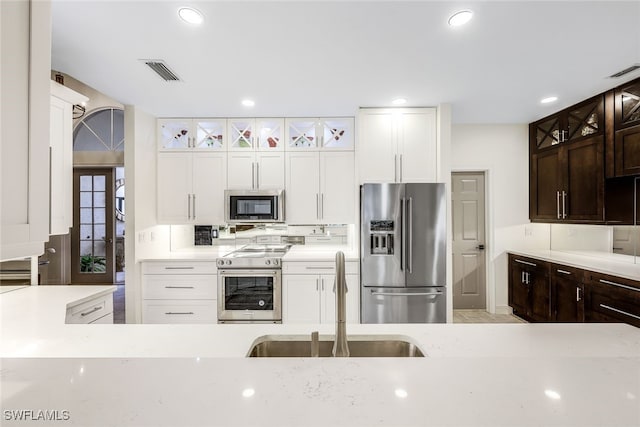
column 601, row 262
column 162, row 375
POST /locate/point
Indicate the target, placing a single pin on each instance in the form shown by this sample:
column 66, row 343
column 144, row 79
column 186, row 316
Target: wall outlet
column 528, row 231
column 152, row 236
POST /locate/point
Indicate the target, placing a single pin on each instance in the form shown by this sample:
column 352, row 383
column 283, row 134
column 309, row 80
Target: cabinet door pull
column 558, row 204
column 317, row 284
column 322, row 284
column 179, row 268
column 318, row 205
column 563, row 271
column 179, row 287
column 253, row 175
column 578, row 294
column 257, row 175
column 522, row 276
column 564, row 204
column 194, row 206
column 631, row 288
column 395, row 167
column 319, row 268
column 179, row 312
column 321, row 205
column 93, row 310
column 400, row 168
column 528, row 277
column 525, row 262
column 619, row 311
column 189, row 206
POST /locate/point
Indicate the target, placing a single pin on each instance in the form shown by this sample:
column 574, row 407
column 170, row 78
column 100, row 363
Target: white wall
column 143, row 236
column 503, row 152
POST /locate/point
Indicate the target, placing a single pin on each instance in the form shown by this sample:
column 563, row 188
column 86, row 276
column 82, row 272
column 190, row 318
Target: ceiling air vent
column 162, row 70
column 625, row 71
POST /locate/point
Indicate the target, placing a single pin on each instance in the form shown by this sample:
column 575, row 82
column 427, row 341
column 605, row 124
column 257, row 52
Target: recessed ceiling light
column 248, row 102
column 552, row 394
column 460, row 18
column 190, row 15
column 548, row 100
column 399, row 101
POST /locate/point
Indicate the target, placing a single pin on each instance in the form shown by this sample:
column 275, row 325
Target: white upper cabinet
column 192, row 134
column 191, row 188
column 397, row 145
column 319, row 133
column 256, row 134
column 61, row 161
column 256, row 157
column 320, row 187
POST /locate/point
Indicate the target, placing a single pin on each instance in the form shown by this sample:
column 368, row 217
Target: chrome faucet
column 340, row 345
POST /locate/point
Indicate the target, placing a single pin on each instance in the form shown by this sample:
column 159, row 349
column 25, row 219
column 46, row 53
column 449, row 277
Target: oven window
column 254, row 207
column 248, row 293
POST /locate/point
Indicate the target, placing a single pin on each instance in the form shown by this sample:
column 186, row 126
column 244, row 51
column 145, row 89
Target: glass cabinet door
column 548, row 132
column 174, row 134
column 628, row 105
column 586, row 119
column 301, row 133
column 337, row 133
column 241, row 134
column 210, row 134
column 270, row 134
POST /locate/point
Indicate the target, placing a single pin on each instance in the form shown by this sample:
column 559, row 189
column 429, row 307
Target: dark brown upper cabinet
column 626, row 155
column 581, row 121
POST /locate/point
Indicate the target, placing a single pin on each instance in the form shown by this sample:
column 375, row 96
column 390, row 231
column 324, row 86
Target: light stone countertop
column 601, row 262
column 172, row 375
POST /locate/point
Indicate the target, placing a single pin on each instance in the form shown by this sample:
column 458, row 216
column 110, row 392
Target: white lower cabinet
column 179, row 292
column 308, row 295
column 97, row 310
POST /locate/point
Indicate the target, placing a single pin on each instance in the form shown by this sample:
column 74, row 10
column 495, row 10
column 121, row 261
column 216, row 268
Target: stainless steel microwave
column 254, row 206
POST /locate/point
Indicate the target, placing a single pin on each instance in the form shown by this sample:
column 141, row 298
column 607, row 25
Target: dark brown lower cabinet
column 540, row 291
column 529, row 291
column 611, row 299
column 567, row 293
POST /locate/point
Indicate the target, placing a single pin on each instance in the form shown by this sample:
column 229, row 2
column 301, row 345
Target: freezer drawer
column 404, row 305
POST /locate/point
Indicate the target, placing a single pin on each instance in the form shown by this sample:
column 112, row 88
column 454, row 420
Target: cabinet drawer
column 105, row 320
column 179, row 311
column 161, row 286
column 179, row 267
column 565, row 271
column 611, row 299
column 321, row 267
column 90, row 310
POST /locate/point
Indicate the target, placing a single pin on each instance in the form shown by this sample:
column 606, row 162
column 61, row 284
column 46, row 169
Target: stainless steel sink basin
column 359, row 346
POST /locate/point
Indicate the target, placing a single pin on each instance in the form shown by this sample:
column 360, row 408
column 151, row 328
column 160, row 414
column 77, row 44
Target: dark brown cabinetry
column 567, row 293
column 529, row 292
column 541, row 291
column 567, row 165
column 611, row 299
column 626, row 154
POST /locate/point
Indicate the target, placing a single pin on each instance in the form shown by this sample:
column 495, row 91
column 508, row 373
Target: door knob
column 480, row 247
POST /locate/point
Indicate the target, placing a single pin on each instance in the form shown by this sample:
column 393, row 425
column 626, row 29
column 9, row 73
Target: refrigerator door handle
column 410, row 235
column 403, row 233
column 406, row 294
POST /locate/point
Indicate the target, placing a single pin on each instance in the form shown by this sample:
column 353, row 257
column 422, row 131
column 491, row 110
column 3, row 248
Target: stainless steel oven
column 250, row 285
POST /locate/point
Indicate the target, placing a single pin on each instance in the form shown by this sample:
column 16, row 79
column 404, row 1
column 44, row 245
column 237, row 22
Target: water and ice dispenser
column 381, row 233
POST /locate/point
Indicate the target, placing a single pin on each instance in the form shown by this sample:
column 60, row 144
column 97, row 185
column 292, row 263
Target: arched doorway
column 97, row 237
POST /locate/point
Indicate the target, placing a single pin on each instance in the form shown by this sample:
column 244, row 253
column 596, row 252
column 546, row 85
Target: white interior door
column 468, row 211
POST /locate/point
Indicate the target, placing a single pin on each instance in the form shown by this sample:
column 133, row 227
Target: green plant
column 93, row 264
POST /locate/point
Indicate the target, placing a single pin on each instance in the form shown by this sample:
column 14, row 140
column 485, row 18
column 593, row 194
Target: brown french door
column 92, row 253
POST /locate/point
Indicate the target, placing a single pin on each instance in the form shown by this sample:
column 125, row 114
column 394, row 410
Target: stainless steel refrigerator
column 403, row 253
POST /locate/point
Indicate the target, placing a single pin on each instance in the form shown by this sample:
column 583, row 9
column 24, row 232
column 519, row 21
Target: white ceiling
column 308, row 58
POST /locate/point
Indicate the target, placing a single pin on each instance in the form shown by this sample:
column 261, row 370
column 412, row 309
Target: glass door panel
column 174, row 134
column 241, row 134
column 586, row 120
column 270, row 134
column 210, row 134
column 337, row 133
column 630, row 105
column 92, row 233
column 548, row 133
column 301, row 133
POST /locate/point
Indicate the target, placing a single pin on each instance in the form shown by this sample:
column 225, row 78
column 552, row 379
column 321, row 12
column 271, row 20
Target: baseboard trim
column 503, row 309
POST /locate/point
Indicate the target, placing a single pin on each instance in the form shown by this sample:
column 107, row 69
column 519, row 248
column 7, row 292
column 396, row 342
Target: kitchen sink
column 359, row 346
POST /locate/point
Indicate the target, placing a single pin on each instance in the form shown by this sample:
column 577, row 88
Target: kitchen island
column 156, row 375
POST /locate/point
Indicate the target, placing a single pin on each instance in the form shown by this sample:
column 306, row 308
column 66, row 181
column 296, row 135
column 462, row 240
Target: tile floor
column 481, row 316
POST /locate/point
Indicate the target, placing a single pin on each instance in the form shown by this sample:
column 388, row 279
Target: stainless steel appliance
column 250, row 285
column 403, row 253
column 254, row 206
